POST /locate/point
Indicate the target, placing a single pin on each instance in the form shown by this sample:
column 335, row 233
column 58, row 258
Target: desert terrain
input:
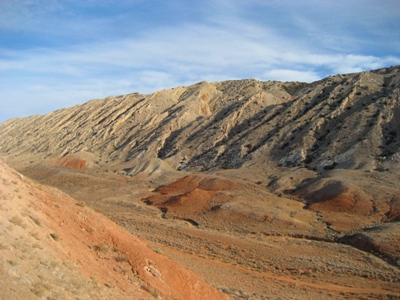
column 239, row 189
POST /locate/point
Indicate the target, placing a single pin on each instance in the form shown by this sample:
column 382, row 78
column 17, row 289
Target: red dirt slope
column 57, row 247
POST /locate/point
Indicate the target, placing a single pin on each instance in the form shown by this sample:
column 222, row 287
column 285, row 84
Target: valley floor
column 245, row 261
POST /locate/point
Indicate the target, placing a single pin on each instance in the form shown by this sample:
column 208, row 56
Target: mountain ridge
column 246, row 112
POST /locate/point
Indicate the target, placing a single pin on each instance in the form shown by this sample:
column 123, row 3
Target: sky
column 59, row 53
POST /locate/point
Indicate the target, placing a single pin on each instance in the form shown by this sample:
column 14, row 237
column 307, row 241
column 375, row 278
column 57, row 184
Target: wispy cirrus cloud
column 123, row 48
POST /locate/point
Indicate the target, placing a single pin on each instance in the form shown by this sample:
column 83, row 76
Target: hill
column 53, row 247
column 226, row 175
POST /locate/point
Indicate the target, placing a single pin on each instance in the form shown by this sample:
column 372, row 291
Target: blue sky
column 58, row 53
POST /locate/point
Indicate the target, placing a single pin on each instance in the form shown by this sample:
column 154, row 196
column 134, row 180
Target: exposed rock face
column 350, row 120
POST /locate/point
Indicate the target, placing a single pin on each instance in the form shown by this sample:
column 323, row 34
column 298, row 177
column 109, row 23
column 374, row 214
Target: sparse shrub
column 120, row 259
column 331, row 167
column 35, row 220
column 103, row 248
column 17, row 221
column 35, row 235
column 284, row 145
column 40, row 288
column 150, row 290
column 37, row 246
column 80, row 203
column 22, row 245
column 388, row 142
column 55, row 236
column 12, row 263
column 314, row 147
column 308, row 160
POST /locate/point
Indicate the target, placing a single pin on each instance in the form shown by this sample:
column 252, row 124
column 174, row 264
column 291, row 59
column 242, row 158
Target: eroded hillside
column 52, row 247
column 346, row 120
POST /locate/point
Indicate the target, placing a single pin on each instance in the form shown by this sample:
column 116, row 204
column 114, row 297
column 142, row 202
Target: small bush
column 120, row 259
column 55, row 236
column 17, row 221
column 12, row 263
column 35, row 220
column 331, row 167
column 40, row 289
column 101, row 248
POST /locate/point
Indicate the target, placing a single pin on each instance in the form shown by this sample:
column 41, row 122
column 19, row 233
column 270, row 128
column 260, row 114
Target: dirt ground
column 53, row 247
column 240, row 238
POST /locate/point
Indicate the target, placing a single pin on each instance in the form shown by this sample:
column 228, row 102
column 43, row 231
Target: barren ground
column 243, row 240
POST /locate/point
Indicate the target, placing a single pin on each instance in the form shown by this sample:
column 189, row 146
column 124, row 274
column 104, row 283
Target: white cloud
column 227, row 44
column 290, row 75
column 194, row 48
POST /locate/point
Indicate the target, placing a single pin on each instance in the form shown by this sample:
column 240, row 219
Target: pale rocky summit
column 250, row 164
column 346, row 120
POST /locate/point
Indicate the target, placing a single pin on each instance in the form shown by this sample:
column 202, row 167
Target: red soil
column 191, row 194
column 72, row 163
column 100, row 249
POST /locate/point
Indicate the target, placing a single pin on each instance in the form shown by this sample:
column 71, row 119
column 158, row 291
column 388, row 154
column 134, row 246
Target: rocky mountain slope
column 238, row 160
column 346, row 120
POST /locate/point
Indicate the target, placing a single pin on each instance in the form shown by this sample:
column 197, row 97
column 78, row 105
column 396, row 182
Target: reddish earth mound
column 339, row 202
column 383, row 240
column 192, row 182
column 191, row 194
column 78, row 161
column 337, row 196
column 224, row 203
column 350, row 201
column 72, row 163
column 394, row 213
